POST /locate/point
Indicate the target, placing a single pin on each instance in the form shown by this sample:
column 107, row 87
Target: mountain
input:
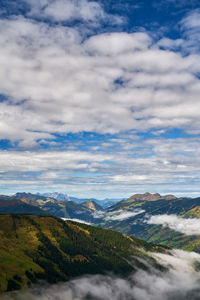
column 47, row 205
column 18, row 206
column 33, row 199
column 65, row 197
column 150, row 197
column 47, row 248
column 159, row 219
column 146, row 216
column 56, row 195
column 108, row 202
column 91, row 205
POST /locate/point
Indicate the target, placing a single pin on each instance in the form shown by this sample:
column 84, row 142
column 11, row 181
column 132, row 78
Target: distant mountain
column 150, row 197
column 33, row 199
column 47, row 248
column 57, row 196
column 108, row 202
column 91, row 205
column 47, row 205
column 65, row 197
column 131, row 217
column 18, row 206
column 143, row 199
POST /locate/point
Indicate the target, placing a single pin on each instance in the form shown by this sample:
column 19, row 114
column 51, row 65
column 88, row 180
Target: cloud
column 77, row 220
column 41, row 161
column 69, row 10
column 53, row 80
column 98, row 214
column 181, row 282
column 177, row 223
column 190, row 32
column 111, row 43
column 180, row 261
column 119, row 215
column 131, row 165
column 56, row 81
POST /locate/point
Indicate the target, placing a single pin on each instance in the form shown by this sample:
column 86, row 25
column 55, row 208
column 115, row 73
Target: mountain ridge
column 45, row 247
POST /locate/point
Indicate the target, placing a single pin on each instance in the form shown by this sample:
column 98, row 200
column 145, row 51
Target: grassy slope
column 157, row 233
column 48, row 248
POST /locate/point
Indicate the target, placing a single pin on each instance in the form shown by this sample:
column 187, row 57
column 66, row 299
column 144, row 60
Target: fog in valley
column 182, row 281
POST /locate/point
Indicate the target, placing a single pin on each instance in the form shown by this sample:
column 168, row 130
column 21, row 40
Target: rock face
column 33, row 199
column 91, row 205
column 150, row 197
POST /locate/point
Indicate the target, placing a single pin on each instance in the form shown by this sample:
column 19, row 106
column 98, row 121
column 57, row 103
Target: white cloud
column 177, row 223
column 180, row 260
column 111, row 43
column 77, row 220
column 57, row 82
column 69, row 10
column 190, row 29
column 155, row 165
column 54, row 80
column 98, row 214
column 181, row 281
column 50, row 160
column 121, row 215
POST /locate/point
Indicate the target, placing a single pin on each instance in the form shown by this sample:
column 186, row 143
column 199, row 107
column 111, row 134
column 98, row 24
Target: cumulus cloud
column 69, row 10
column 189, row 41
column 181, row 282
column 52, row 78
column 114, row 82
column 177, row 223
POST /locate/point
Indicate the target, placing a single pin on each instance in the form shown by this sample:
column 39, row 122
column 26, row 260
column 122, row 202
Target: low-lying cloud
column 123, row 215
column 76, row 220
column 181, row 281
column 119, row 215
column 177, row 223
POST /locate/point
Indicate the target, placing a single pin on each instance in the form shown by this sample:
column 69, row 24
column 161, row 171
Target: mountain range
column 105, row 203
column 165, row 220
column 131, row 243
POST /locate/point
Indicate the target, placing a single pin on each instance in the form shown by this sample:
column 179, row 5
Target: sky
column 100, row 98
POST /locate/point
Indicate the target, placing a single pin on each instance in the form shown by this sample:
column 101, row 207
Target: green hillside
column 155, row 205
column 145, row 205
column 48, row 248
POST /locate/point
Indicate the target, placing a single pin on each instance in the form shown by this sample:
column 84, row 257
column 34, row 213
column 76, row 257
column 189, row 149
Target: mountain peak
column 150, row 197
column 91, row 205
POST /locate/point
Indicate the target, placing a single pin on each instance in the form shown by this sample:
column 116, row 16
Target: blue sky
column 100, row 98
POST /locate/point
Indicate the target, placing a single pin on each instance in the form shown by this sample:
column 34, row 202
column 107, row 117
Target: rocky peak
column 150, row 197
column 91, row 205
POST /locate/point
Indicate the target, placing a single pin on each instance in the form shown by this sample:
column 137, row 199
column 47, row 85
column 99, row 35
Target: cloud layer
column 181, row 281
column 63, row 72
column 177, row 223
column 112, row 81
column 119, row 215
